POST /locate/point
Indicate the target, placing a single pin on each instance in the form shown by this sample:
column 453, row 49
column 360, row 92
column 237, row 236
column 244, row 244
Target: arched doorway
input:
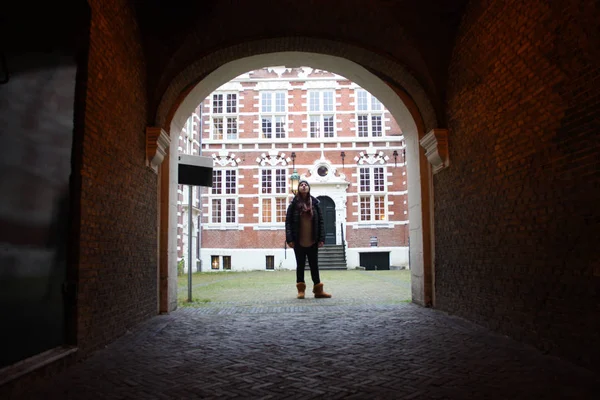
column 328, row 209
column 411, row 109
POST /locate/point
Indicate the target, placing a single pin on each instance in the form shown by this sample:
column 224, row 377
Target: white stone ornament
column 225, row 159
column 371, row 158
column 435, row 144
column 273, row 159
column 157, row 143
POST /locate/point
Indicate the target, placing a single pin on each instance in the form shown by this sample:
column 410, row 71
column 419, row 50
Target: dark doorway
column 37, row 275
column 375, row 261
column 328, row 208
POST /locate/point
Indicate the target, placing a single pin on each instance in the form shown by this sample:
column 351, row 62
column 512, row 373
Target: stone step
column 331, row 257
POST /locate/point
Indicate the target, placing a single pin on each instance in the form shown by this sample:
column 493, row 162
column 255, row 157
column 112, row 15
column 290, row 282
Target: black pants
column 312, row 253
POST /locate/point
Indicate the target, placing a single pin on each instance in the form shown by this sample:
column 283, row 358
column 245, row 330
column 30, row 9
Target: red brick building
column 339, row 137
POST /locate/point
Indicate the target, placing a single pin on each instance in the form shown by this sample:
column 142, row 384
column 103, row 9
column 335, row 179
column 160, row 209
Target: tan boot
column 319, row 293
column 301, row 286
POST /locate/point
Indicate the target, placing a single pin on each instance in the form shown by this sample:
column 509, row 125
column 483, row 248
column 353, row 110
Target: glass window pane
column 280, row 209
column 327, row 101
column 218, row 128
column 266, row 101
column 266, row 210
column 216, row 183
column 216, row 211
column 328, row 126
column 365, row 208
column 376, row 104
column 376, row 126
column 231, row 103
column 379, row 208
column 230, row 182
column 280, row 181
column 226, row 262
column 365, row 180
column 217, row 103
column 231, row 128
column 315, row 126
column 280, row 127
column 378, row 180
column 363, row 126
column 214, row 262
column 229, row 210
column 270, row 262
column 280, row 102
column 361, row 100
column 313, row 101
column 267, row 128
column 266, row 181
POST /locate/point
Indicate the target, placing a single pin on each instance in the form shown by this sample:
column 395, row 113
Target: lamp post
column 294, row 178
column 404, row 152
column 343, row 155
column 395, row 154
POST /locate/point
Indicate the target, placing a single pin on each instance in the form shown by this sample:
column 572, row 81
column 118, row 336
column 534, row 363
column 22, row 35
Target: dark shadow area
column 40, row 49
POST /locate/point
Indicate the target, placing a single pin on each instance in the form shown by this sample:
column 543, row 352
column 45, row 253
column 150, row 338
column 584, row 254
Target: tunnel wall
column 516, row 214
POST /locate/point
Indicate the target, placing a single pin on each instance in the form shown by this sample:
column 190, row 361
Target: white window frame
column 272, row 195
column 372, row 193
column 226, row 116
column 369, row 112
column 273, row 114
column 320, row 114
column 223, row 197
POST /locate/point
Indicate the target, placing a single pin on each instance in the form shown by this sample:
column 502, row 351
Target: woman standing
column 304, row 232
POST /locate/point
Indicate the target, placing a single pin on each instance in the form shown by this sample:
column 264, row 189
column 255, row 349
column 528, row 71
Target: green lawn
column 260, row 287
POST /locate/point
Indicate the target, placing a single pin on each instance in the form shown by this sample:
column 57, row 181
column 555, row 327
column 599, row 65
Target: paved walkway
column 327, row 348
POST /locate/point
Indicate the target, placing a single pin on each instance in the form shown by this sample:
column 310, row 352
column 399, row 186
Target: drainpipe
column 200, row 192
column 190, row 240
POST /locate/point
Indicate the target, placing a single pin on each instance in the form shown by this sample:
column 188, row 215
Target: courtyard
column 217, row 291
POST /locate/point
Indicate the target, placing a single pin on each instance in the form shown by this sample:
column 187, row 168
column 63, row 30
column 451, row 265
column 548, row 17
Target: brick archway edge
column 341, row 58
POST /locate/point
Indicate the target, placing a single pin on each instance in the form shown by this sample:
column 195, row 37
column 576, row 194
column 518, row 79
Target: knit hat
column 304, row 181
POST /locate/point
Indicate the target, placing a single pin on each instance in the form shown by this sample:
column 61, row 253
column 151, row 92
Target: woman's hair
column 304, row 205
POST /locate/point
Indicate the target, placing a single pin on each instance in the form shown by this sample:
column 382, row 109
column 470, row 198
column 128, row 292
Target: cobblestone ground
column 356, row 345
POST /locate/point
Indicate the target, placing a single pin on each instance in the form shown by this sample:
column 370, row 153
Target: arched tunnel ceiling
column 417, row 33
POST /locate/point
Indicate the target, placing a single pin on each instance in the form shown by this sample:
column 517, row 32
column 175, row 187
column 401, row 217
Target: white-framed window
column 223, row 197
column 369, row 115
column 273, row 195
column 224, row 116
column 273, row 107
column 321, row 113
column 371, row 194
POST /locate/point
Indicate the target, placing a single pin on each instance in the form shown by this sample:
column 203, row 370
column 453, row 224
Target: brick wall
column 118, row 260
column 517, row 211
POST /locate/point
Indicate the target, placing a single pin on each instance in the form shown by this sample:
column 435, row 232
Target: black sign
column 195, row 170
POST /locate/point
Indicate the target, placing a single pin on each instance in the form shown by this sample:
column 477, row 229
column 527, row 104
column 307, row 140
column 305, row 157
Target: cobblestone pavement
column 346, row 347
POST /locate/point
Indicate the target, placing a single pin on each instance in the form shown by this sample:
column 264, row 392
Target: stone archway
column 411, row 109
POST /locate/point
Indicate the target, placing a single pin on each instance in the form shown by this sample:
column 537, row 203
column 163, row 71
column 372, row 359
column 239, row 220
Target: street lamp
column 343, row 155
column 395, row 154
column 294, row 178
